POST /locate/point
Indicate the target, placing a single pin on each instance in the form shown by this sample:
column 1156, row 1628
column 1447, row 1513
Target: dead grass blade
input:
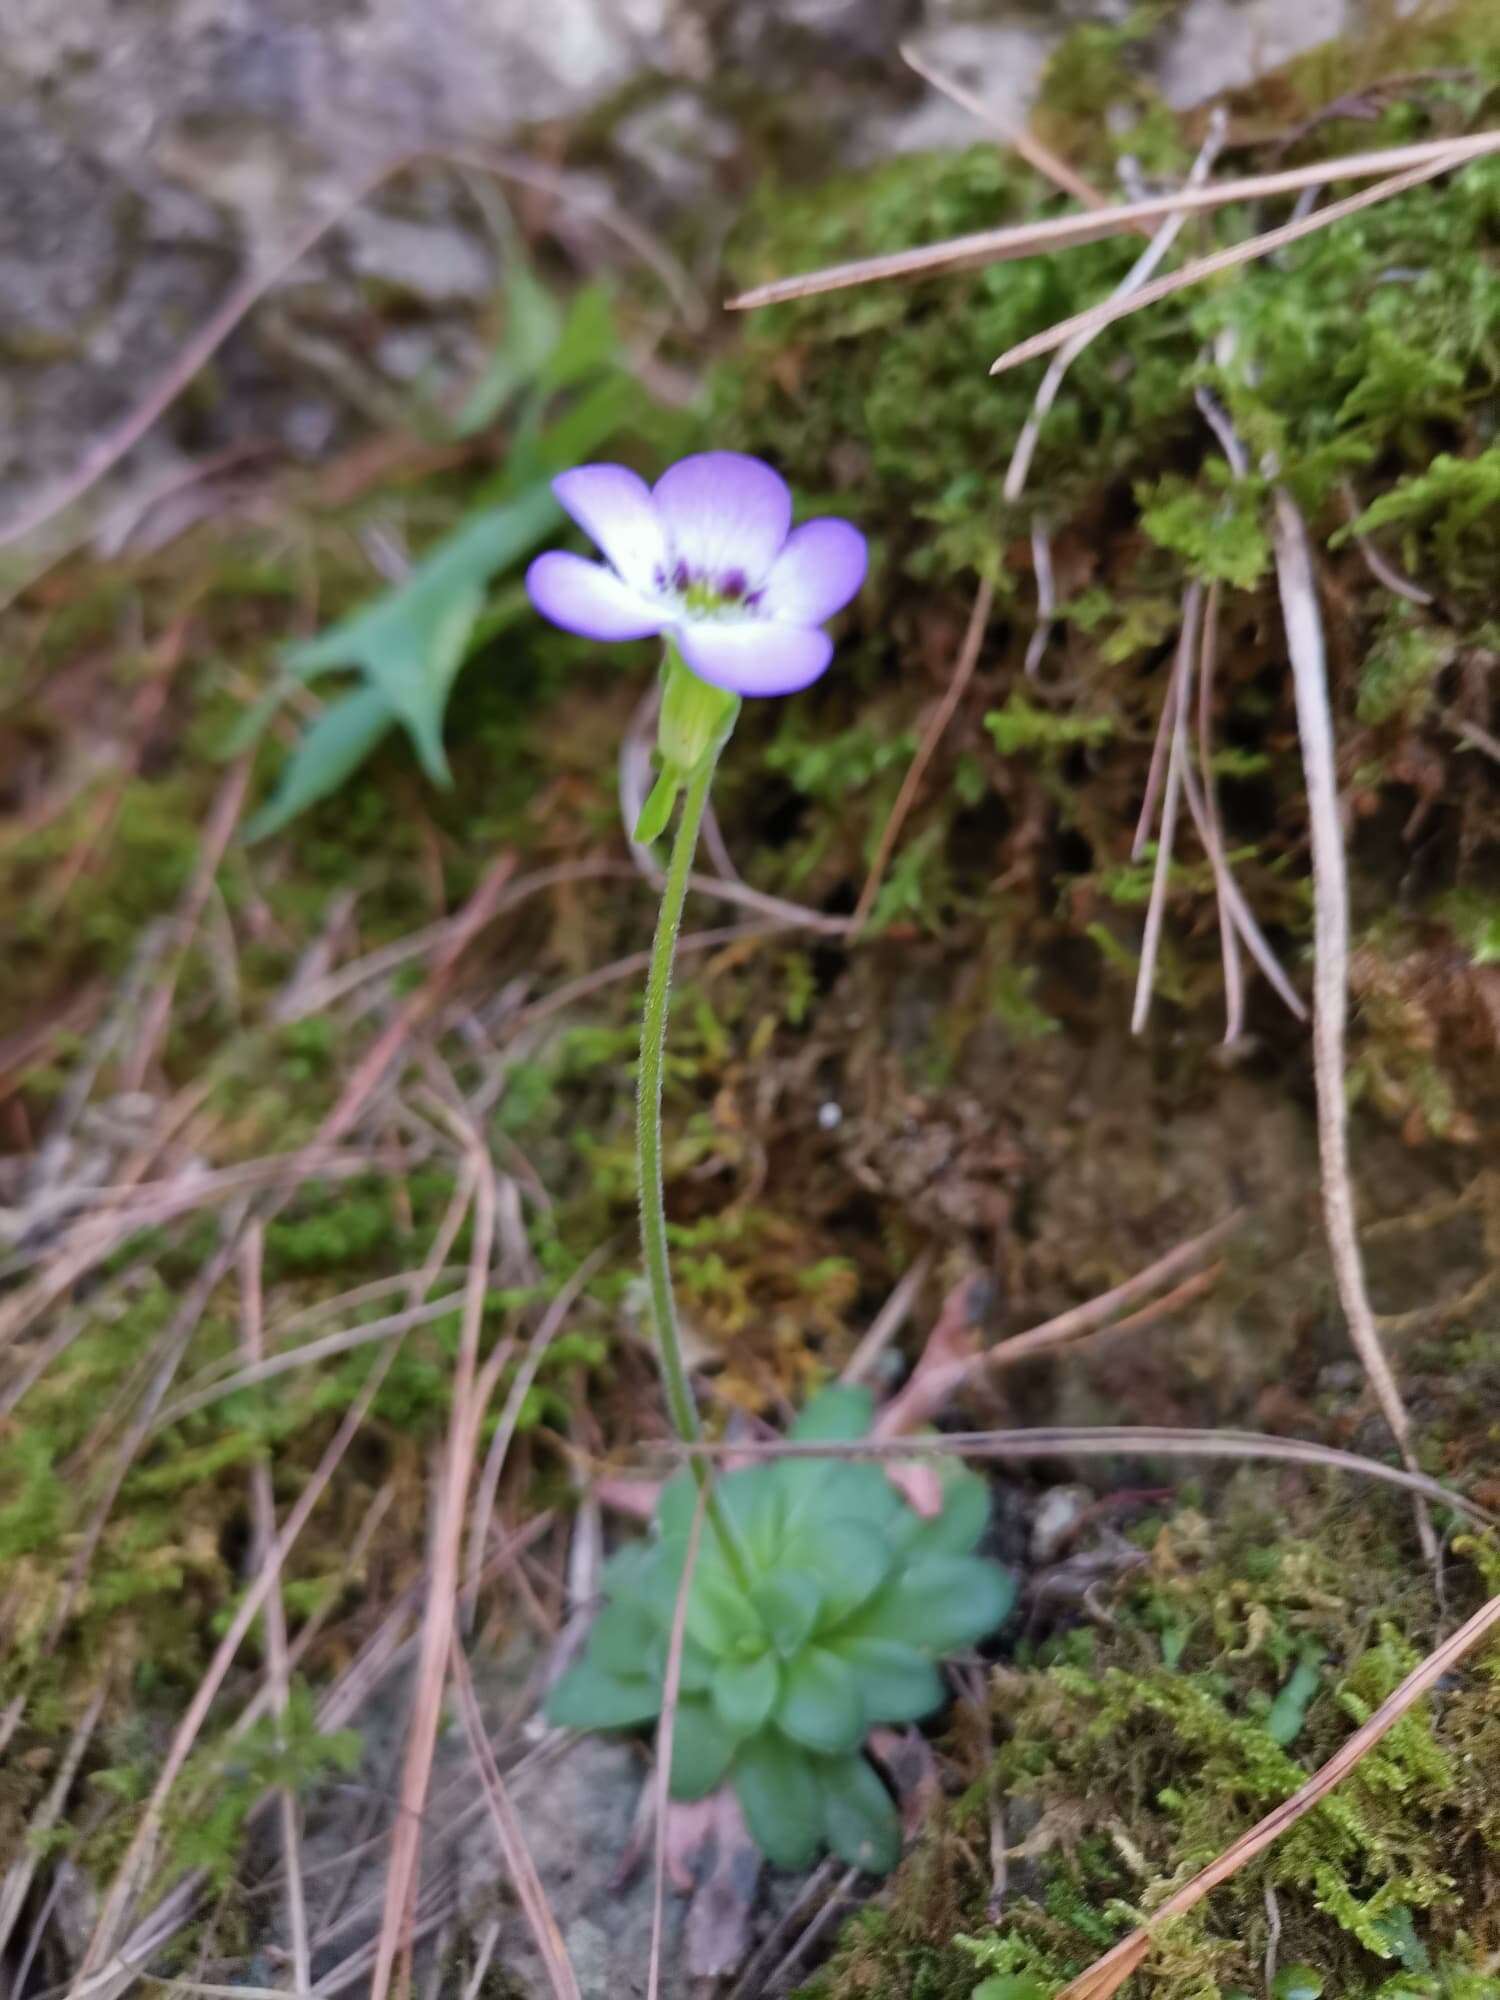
column 1037, row 156
column 371, row 1069
column 137, row 1857
column 1138, row 275
column 1305, row 645
column 524, row 1878
column 308, row 1354
column 1031, row 239
column 889, row 1321
column 1110, row 1973
column 929, row 1390
column 665, row 1733
column 442, row 1596
column 1116, row 1440
column 15, row 1887
column 550, row 1325
column 963, row 673
column 1178, row 695
column 278, row 1674
column 1096, row 318
column 157, row 1011
column 165, row 1362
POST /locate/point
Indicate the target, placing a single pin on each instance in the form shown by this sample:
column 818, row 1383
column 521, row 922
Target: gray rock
column 436, row 264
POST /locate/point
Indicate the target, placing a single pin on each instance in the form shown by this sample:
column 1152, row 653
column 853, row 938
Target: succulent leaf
column 820, row 1706
column 851, row 1601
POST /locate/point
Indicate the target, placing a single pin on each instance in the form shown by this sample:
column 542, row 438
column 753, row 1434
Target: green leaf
column 533, row 326
column 589, row 1698
column 538, row 451
column 622, row 1640
column 859, row 1815
column 719, row 1616
column 965, row 1516
column 789, row 1603
column 1012, row 1986
column 589, row 339
column 839, row 1414
column 745, row 1692
column 1297, row 1982
column 940, row 1604
column 411, row 642
column 249, row 727
column 335, row 746
column 675, row 1507
column 781, row 1800
column 702, row 1750
column 817, row 1489
column 820, row 1705
column 850, row 1559
column 1289, row 1710
column 897, row 1682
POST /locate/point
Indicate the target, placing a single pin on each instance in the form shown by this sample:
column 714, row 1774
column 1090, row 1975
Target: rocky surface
column 152, row 150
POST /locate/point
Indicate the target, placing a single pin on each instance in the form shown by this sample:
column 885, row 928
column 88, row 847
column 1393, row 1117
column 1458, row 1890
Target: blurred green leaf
column 859, row 1815
column 334, row 747
column 411, row 642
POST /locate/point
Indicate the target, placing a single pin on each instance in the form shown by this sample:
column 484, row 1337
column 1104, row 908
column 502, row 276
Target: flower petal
column 613, row 506
column 587, row 598
column 755, row 656
column 816, row 574
column 724, row 513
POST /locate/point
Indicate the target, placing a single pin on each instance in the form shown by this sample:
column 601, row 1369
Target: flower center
column 703, row 595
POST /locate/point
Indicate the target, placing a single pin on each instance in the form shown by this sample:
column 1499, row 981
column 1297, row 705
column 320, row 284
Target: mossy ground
column 1133, row 1750
column 989, row 1100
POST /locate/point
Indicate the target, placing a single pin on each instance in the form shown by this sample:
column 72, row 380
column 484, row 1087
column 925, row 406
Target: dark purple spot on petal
column 682, row 576
column 732, row 585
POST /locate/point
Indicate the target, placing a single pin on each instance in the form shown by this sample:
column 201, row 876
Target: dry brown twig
column 930, row 1389
column 1031, row 239
column 1114, row 1440
column 1137, row 276
column 1095, row 318
column 1039, row 157
column 963, row 673
column 439, row 1624
column 1109, row 1974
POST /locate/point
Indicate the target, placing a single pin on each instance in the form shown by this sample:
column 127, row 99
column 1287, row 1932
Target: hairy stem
column 680, row 1403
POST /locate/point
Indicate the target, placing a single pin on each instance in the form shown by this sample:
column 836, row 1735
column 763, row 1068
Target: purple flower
column 706, row 557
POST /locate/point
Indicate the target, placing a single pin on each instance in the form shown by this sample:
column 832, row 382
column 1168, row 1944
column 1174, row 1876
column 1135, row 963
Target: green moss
column 1130, row 1761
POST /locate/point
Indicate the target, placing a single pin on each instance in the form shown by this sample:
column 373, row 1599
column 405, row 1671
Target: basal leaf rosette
column 851, row 1601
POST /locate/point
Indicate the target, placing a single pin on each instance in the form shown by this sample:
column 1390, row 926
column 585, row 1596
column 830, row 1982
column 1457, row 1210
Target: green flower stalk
column 820, row 1601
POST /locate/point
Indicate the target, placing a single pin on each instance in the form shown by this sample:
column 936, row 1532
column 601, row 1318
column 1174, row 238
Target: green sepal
column 657, row 811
